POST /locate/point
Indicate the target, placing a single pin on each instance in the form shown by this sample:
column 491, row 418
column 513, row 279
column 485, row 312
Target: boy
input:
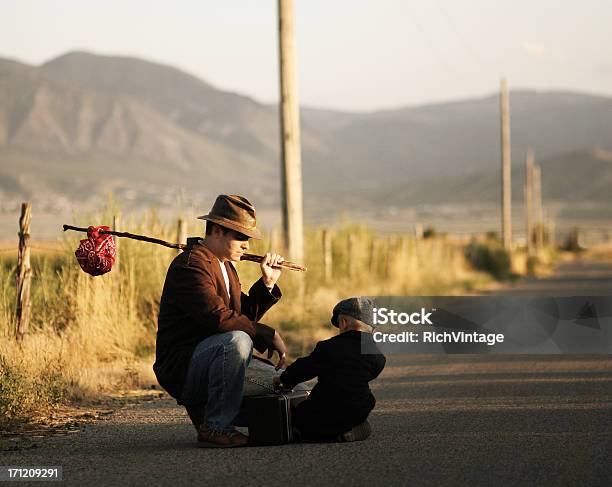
column 338, row 406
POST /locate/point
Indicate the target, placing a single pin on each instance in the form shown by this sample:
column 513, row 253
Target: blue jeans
column 221, row 373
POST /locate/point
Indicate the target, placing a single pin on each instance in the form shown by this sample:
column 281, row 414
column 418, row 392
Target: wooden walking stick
column 249, row 257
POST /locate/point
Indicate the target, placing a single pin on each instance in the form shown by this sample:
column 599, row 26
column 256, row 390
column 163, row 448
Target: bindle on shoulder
column 248, row 257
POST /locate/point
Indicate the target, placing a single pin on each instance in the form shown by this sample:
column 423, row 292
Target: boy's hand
column 278, row 385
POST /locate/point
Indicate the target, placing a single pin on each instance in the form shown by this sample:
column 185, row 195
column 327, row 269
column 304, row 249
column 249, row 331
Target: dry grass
column 89, row 336
column 599, row 252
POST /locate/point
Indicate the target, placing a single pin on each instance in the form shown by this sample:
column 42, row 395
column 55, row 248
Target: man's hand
column 279, row 345
column 270, row 269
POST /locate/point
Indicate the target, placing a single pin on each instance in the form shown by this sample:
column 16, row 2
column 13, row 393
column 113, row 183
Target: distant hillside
column 234, row 120
column 82, row 125
column 582, row 176
column 451, row 138
column 62, row 137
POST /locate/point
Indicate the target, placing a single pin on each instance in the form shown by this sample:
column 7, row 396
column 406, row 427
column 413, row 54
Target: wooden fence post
column 373, row 260
column 552, row 229
column 418, row 238
column 387, row 260
column 24, row 272
column 351, row 255
column 181, row 233
column 327, row 255
column 418, row 232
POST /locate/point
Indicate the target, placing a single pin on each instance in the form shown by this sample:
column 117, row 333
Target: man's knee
column 242, row 343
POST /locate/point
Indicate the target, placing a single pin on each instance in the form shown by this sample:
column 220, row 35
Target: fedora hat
column 234, row 212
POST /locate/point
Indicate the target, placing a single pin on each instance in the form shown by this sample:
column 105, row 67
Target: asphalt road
column 439, row 420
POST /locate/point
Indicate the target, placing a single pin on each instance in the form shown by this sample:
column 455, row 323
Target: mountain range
column 82, row 125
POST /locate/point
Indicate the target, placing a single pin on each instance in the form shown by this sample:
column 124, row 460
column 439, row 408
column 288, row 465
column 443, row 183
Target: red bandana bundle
column 96, row 254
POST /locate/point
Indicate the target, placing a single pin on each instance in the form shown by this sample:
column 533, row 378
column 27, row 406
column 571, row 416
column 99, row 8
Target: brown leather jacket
column 195, row 305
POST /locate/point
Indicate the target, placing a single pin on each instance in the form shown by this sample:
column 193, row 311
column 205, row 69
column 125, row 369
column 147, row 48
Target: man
column 207, row 327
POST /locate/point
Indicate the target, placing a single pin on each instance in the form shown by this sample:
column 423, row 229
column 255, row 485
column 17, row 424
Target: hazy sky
column 351, row 54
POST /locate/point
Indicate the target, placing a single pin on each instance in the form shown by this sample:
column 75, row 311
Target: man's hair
column 355, row 324
column 210, row 226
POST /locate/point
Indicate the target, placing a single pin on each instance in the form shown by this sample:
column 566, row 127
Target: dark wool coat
column 195, row 305
column 342, row 398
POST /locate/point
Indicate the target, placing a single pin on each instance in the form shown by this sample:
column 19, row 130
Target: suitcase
column 269, row 416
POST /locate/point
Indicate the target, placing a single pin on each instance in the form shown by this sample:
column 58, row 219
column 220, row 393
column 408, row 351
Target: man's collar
column 191, row 241
column 197, row 244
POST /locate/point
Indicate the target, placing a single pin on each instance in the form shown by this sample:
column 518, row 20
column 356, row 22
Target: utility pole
column 529, row 200
column 291, row 164
column 504, row 105
column 552, row 228
column 537, row 191
column 327, row 256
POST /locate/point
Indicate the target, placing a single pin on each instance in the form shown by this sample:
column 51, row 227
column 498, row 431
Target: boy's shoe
column 358, row 433
column 212, row 438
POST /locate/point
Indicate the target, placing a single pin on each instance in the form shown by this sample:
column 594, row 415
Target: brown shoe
column 212, row 438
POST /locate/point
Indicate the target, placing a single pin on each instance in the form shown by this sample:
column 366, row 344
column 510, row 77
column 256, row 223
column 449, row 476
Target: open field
column 91, row 336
